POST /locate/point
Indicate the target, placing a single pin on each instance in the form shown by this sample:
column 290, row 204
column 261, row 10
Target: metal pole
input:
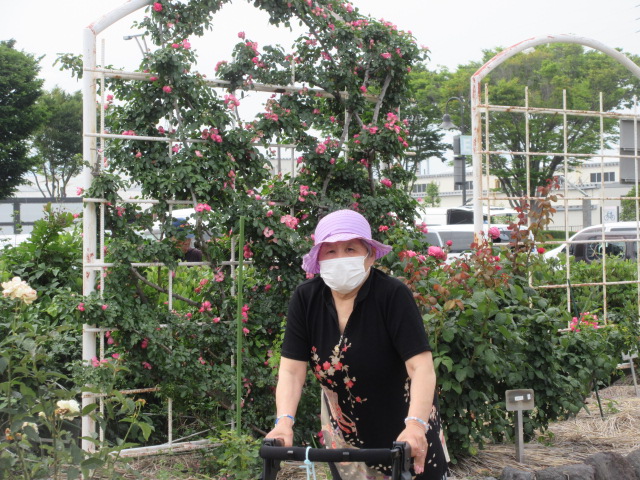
column 520, row 439
column 89, row 220
column 239, row 328
column 464, row 158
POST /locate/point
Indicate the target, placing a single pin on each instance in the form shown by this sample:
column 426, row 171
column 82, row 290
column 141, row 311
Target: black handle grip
column 399, row 457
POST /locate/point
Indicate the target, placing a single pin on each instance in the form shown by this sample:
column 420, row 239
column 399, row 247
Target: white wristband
column 419, row 420
column 293, row 419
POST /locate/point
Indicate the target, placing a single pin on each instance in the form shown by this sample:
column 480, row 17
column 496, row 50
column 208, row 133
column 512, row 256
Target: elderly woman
column 362, row 334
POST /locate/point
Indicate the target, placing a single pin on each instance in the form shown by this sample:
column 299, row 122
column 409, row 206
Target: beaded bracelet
column 419, row 420
column 293, row 419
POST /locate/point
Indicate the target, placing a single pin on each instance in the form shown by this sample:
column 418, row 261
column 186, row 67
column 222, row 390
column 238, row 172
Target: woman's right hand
column 284, row 431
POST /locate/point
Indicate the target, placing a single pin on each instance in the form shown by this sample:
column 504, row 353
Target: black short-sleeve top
column 365, row 366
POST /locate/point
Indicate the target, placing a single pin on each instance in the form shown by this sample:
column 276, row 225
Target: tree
column 19, row 114
column 58, row 142
column 546, row 72
column 432, row 196
column 628, row 206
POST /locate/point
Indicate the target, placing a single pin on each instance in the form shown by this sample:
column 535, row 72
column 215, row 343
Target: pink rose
column 166, row 89
column 541, row 250
column 81, row 307
column 494, row 232
column 385, row 55
column 386, row 182
column 436, row 252
column 157, row 7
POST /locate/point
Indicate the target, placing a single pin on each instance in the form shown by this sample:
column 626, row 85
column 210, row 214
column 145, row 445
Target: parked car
column 461, row 237
column 619, row 239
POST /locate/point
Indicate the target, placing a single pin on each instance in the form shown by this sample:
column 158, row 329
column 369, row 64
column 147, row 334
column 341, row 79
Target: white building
column 593, row 192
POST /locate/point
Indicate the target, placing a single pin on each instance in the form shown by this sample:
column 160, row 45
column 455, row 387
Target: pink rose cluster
column 202, row 207
column 211, row 133
column 305, row 192
column 587, row 319
column 231, row 101
column 290, row 221
column 394, row 124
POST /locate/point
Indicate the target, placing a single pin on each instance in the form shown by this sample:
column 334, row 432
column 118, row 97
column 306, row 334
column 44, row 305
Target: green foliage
column 234, row 456
column 628, row 210
column 57, row 144
column 432, row 197
column 51, row 258
column 19, row 114
column 492, row 332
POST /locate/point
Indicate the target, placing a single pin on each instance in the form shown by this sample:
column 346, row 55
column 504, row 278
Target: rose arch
column 332, row 100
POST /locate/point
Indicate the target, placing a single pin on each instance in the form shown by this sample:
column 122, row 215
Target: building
column 593, row 193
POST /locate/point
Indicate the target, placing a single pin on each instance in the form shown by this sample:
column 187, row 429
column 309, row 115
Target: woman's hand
column 284, row 431
column 414, row 435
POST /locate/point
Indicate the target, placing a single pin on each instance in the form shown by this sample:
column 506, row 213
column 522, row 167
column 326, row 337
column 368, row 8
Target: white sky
column 455, row 31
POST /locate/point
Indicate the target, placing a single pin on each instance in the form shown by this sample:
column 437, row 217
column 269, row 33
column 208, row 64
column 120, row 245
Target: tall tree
column 20, row 89
column 545, row 72
column 58, row 142
column 423, row 116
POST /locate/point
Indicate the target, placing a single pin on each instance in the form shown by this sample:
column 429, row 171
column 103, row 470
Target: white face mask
column 343, row 274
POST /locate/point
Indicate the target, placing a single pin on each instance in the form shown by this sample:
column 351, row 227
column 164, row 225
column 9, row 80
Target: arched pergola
column 496, row 61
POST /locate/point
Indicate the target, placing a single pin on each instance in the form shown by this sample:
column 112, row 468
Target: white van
column 461, row 237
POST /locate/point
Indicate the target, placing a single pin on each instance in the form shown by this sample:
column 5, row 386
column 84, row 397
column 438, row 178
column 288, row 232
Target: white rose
column 20, row 290
column 68, row 408
column 8, row 288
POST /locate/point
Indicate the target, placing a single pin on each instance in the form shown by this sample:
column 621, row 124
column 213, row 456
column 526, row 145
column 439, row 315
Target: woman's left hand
column 414, row 435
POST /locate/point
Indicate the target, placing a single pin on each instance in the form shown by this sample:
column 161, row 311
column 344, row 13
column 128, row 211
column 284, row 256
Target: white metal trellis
column 483, row 198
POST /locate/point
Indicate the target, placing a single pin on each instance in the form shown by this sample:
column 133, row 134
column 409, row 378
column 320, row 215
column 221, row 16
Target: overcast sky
column 455, row 31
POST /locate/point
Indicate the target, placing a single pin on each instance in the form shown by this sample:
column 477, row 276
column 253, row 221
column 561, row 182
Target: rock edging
column 600, row 466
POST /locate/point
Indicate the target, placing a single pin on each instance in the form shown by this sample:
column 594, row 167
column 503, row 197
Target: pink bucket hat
column 339, row 226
